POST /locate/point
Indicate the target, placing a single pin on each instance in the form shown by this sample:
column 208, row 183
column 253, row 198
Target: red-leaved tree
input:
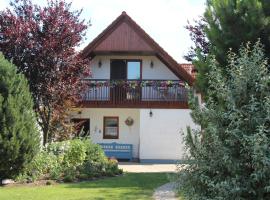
column 198, row 36
column 198, row 53
column 41, row 42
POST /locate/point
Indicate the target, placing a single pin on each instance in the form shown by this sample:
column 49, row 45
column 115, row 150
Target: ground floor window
column 82, row 127
column 111, row 128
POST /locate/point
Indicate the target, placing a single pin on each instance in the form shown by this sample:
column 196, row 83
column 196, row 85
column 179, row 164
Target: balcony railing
column 135, row 93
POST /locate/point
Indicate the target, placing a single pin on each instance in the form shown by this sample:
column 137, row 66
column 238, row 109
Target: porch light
column 99, row 63
column 150, row 113
column 151, row 64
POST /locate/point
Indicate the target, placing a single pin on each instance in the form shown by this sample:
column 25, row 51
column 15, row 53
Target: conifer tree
column 19, row 137
column 227, row 24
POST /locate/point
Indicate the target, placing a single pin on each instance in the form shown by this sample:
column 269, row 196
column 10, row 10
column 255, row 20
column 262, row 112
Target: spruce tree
column 230, row 155
column 19, row 136
column 231, row 23
column 227, row 24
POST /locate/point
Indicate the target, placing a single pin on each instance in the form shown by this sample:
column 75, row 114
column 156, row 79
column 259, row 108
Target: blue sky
column 163, row 20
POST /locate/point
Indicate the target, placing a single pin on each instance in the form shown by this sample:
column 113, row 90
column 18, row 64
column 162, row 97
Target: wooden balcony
column 135, row 94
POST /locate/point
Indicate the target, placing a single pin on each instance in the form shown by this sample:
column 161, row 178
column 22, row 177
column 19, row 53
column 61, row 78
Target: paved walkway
column 141, row 167
column 165, row 192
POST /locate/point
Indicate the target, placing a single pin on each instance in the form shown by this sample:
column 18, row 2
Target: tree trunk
column 45, row 135
column 45, row 118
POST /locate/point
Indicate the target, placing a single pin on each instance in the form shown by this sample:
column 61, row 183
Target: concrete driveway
column 145, row 167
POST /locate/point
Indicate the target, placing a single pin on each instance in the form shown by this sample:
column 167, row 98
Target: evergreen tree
column 19, row 137
column 227, row 24
column 230, row 155
column 231, row 23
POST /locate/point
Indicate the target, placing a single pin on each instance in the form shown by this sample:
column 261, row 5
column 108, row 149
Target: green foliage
column 19, row 138
column 95, row 153
column 70, row 160
column 227, row 19
column 111, row 168
column 227, row 24
column 202, row 65
column 73, row 152
column 231, row 154
column 44, row 165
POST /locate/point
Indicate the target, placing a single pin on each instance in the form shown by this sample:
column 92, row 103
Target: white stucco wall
column 102, row 72
column 160, row 136
column 127, row 134
column 156, row 138
column 159, row 70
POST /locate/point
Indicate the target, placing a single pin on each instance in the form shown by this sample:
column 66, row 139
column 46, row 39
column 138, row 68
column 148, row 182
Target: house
column 136, row 93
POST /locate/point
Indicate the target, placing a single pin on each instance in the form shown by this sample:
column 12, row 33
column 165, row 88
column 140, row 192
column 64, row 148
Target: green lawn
column 129, row 186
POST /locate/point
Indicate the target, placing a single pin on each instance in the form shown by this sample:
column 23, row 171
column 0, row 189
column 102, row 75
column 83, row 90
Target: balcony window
column 111, row 128
column 125, row 69
column 133, row 70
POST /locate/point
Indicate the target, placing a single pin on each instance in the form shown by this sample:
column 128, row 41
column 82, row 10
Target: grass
column 138, row 186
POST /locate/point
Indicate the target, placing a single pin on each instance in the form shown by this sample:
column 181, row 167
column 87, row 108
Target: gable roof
column 189, row 68
column 124, row 35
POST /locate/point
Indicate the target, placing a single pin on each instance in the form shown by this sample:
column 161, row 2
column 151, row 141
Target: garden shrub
column 94, row 152
column 94, row 169
column 69, row 161
column 112, row 168
column 44, row 165
column 71, row 153
column 231, row 155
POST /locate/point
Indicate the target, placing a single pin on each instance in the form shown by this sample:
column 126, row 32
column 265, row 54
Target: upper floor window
column 133, row 69
column 125, row 69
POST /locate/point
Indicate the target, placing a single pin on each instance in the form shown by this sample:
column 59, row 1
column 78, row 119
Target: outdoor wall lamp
column 151, row 64
column 150, row 113
column 99, row 63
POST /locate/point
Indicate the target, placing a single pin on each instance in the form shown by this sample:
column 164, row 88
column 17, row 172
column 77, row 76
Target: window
column 125, row 69
column 82, row 127
column 133, row 70
column 111, row 128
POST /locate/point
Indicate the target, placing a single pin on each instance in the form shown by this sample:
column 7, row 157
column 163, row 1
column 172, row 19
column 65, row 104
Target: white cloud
column 164, row 20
